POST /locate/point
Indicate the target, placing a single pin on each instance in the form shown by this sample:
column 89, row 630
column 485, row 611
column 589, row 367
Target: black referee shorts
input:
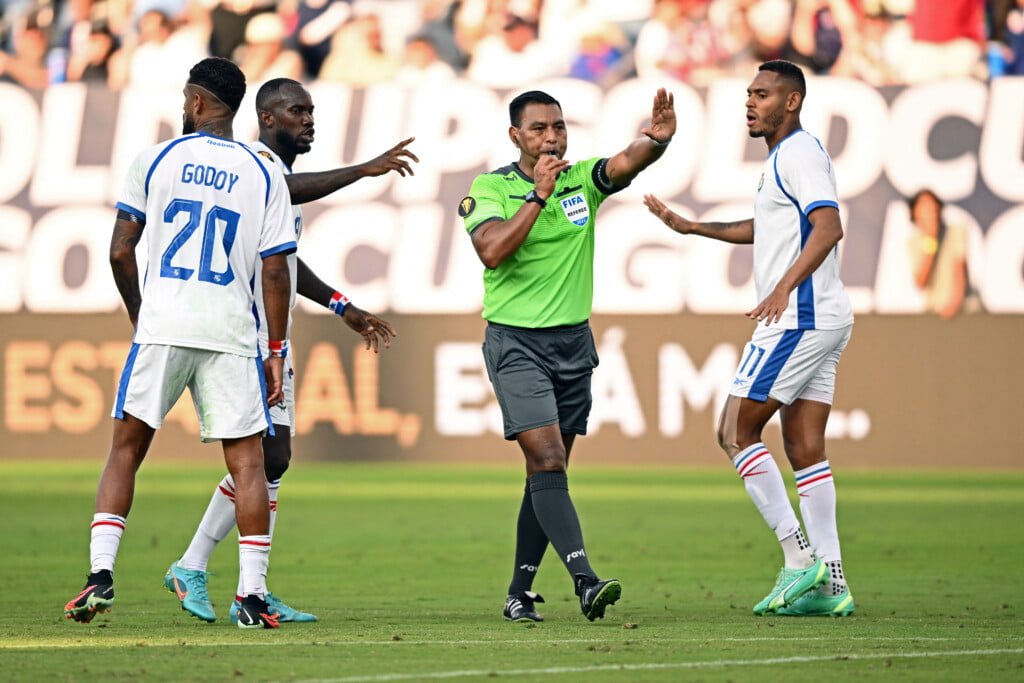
column 541, row 376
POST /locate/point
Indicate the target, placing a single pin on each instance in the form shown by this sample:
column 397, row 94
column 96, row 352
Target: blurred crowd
column 506, row 43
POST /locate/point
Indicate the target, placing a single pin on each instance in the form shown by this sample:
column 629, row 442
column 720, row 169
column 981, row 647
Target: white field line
column 659, row 666
column 98, row 642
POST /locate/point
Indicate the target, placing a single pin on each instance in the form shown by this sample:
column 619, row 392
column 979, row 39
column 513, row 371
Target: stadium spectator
column 438, row 26
column 948, row 38
column 316, row 22
column 263, row 55
column 421, row 63
column 1014, row 60
column 90, row 58
column 161, row 54
column 357, row 57
column 513, row 56
column 27, row 65
column 659, row 49
column 602, row 56
column 229, row 19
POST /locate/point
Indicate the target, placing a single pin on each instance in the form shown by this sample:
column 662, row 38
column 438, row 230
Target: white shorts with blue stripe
column 790, row 364
column 228, row 390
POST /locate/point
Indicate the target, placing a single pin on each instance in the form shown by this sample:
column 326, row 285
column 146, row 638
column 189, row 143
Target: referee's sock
column 549, row 492
column 764, row 484
column 531, row 543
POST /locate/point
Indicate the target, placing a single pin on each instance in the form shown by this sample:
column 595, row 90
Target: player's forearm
column 312, row 287
column 124, row 266
column 628, row 163
column 736, row 232
column 825, row 234
column 497, row 240
column 276, row 283
column 308, row 187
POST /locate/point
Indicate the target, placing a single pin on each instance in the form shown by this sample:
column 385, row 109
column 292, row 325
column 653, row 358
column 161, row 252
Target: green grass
column 407, row 565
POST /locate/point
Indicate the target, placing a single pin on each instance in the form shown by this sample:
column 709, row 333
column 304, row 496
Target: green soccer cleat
column 189, row 585
column 790, row 585
column 816, row 603
column 96, row 597
column 283, row 612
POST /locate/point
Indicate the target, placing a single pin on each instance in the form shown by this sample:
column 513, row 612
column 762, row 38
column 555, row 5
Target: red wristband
column 278, row 349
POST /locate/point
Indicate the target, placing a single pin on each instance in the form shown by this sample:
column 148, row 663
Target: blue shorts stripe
column 762, row 386
column 122, row 386
column 263, row 393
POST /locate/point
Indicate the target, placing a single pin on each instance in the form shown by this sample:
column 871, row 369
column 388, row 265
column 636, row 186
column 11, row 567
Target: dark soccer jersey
column 549, row 279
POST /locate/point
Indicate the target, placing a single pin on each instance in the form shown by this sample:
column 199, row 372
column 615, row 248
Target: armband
column 338, row 303
column 278, row 349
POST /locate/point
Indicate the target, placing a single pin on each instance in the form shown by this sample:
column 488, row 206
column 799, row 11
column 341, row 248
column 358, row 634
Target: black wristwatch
column 532, row 196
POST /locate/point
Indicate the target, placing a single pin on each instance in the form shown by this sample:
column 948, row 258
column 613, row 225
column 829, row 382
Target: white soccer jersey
column 798, row 178
column 293, row 259
column 212, row 209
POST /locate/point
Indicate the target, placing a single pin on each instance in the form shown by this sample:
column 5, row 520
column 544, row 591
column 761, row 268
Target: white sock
column 818, row 508
column 217, row 522
column 272, row 487
column 764, row 484
column 106, row 531
column 253, row 558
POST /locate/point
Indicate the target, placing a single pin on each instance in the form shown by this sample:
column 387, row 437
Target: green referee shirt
column 549, row 279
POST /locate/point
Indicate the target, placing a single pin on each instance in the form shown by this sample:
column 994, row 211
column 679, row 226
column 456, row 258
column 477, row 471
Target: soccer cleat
column 190, row 587
column 97, row 597
column 596, row 595
column 283, row 612
column 519, row 607
column 816, row 603
column 790, row 585
column 255, row 613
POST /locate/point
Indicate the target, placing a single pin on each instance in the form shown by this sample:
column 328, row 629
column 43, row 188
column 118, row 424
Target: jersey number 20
column 194, row 209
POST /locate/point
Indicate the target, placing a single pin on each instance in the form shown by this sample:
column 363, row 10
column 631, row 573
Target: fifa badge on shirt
column 466, row 206
column 576, row 209
column 760, row 183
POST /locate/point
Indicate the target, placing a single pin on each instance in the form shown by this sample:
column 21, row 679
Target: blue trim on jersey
column 263, row 392
column 818, row 204
column 122, row 386
column 266, row 174
column 127, row 208
column 798, row 130
column 161, row 155
column 288, row 247
column 805, row 290
column 773, row 366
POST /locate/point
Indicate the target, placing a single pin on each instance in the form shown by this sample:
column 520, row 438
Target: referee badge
column 466, row 206
column 576, row 209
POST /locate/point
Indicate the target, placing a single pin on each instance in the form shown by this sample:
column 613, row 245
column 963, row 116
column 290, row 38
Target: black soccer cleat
column 596, row 595
column 96, row 597
column 255, row 613
column 519, row 607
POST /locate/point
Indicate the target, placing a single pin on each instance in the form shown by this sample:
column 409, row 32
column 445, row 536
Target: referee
column 532, row 225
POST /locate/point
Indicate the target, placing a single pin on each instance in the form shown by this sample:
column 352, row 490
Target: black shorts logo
column 466, row 206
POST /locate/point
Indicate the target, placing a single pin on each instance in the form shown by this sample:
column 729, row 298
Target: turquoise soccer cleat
column 189, row 585
column 790, row 585
column 283, row 612
column 816, row 603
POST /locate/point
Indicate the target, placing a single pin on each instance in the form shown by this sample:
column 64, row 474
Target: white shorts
column 790, row 364
column 228, row 391
column 283, row 414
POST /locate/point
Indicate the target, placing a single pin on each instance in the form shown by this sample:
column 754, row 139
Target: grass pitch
column 407, row 566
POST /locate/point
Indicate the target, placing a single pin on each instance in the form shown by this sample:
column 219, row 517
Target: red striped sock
column 106, row 531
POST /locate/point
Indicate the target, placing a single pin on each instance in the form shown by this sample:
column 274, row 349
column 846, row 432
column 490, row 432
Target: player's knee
column 548, row 460
column 727, row 441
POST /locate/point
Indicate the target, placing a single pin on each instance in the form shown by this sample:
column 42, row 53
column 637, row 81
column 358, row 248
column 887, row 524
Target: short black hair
column 270, row 90
column 222, row 77
column 516, row 106
column 924, row 192
column 788, row 71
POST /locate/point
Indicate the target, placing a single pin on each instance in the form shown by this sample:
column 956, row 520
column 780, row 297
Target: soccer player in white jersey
column 213, row 209
column 805, row 320
column 285, row 111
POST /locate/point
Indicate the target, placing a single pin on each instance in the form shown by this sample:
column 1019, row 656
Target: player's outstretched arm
column 307, row 187
column 496, row 240
column 826, row 231
column 375, row 330
column 641, row 153
column 126, row 236
column 737, row 232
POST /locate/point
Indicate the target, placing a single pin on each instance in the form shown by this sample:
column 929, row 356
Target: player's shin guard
column 217, row 522
column 105, row 539
column 253, row 559
column 818, row 508
column 764, row 484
